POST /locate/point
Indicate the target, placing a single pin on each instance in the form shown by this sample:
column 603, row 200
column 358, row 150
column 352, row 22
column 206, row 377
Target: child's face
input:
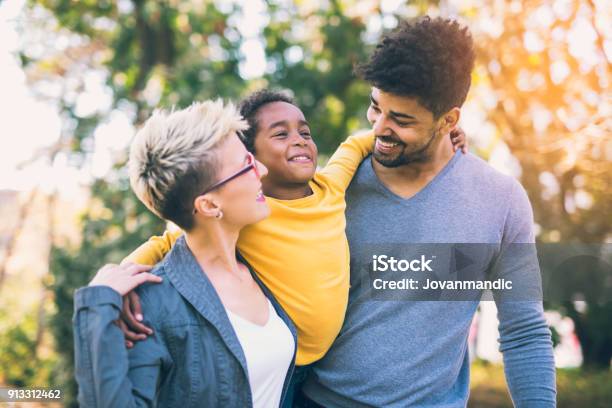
column 284, row 145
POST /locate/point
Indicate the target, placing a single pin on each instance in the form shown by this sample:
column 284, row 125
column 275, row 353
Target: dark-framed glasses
column 251, row 165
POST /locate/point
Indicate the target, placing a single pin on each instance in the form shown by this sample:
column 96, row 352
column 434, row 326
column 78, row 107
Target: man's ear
column 449, row 120
column 206, row 206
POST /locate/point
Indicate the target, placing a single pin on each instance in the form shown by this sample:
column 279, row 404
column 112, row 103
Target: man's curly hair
column 249, row 107
column 430, row 59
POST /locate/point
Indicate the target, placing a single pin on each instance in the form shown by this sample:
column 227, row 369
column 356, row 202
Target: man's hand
column 459, row 140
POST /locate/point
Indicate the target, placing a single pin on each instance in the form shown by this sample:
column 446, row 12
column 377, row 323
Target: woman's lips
column 260, row 197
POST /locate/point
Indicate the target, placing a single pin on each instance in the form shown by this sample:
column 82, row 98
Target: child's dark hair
column 249, row 107
column 429, row 59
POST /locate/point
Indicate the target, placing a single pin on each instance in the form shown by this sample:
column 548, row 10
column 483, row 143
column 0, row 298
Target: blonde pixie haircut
column 173, row 159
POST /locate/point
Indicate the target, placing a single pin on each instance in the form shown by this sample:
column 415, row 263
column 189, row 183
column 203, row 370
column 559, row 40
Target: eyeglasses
column 251, row 165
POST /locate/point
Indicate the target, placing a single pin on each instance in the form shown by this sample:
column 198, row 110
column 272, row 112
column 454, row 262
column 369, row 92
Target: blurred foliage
column 575, row 388
column 550, row 80
column 331, row 98
column 594, row 330
column 20, row 364
column 552, row 108
column 114, row 223
column 164, row 53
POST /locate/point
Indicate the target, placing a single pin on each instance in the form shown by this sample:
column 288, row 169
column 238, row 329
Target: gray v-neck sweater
column 401, row 352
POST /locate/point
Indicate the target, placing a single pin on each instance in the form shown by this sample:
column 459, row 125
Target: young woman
column 219, row 337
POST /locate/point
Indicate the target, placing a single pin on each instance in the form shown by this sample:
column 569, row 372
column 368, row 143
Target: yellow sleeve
column 344, row 162
column 154, row 250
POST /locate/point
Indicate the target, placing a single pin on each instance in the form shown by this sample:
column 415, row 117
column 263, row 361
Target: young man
column 414, row 191
column 300, row 252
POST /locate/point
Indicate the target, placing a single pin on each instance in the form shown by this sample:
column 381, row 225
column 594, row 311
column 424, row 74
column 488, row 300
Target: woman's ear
column 207, row 206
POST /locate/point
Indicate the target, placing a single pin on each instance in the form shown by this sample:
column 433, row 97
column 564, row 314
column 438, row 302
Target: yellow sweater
column 300, row 251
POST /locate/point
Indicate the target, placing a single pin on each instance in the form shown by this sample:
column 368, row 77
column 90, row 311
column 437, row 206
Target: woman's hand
column 124, row 278
column 459, row 140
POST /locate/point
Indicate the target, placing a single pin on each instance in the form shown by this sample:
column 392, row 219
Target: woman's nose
column 261, row 169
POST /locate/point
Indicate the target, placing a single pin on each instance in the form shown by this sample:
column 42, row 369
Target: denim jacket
column 193, row 358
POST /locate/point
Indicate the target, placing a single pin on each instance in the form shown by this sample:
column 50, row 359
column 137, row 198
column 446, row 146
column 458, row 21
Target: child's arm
column 344, row 162
column 149, row 253
column 154, row 250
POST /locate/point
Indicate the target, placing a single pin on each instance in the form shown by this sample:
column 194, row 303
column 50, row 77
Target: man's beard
column 413, row 153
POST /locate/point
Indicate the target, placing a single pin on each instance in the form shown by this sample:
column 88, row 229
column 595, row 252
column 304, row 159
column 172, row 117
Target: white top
column 268, row 350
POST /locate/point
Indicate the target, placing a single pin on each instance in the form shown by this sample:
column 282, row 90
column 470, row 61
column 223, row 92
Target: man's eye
column 306, row 135
column 281, row 134
column 404, row 124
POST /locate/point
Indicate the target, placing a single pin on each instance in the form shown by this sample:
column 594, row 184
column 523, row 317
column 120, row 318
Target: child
column 300, row 252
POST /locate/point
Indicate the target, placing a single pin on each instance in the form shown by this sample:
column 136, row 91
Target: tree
column 547, row 74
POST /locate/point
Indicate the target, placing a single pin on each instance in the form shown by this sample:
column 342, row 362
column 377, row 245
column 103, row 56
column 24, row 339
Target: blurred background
column 78, row 77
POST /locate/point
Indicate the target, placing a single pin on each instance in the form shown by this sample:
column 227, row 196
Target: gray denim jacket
column 193, row 358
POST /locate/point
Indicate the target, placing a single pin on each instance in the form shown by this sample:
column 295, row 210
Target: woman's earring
column 219, row 215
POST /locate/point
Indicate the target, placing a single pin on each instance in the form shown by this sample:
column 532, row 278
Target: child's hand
column 131, row 320
column 459, row 140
